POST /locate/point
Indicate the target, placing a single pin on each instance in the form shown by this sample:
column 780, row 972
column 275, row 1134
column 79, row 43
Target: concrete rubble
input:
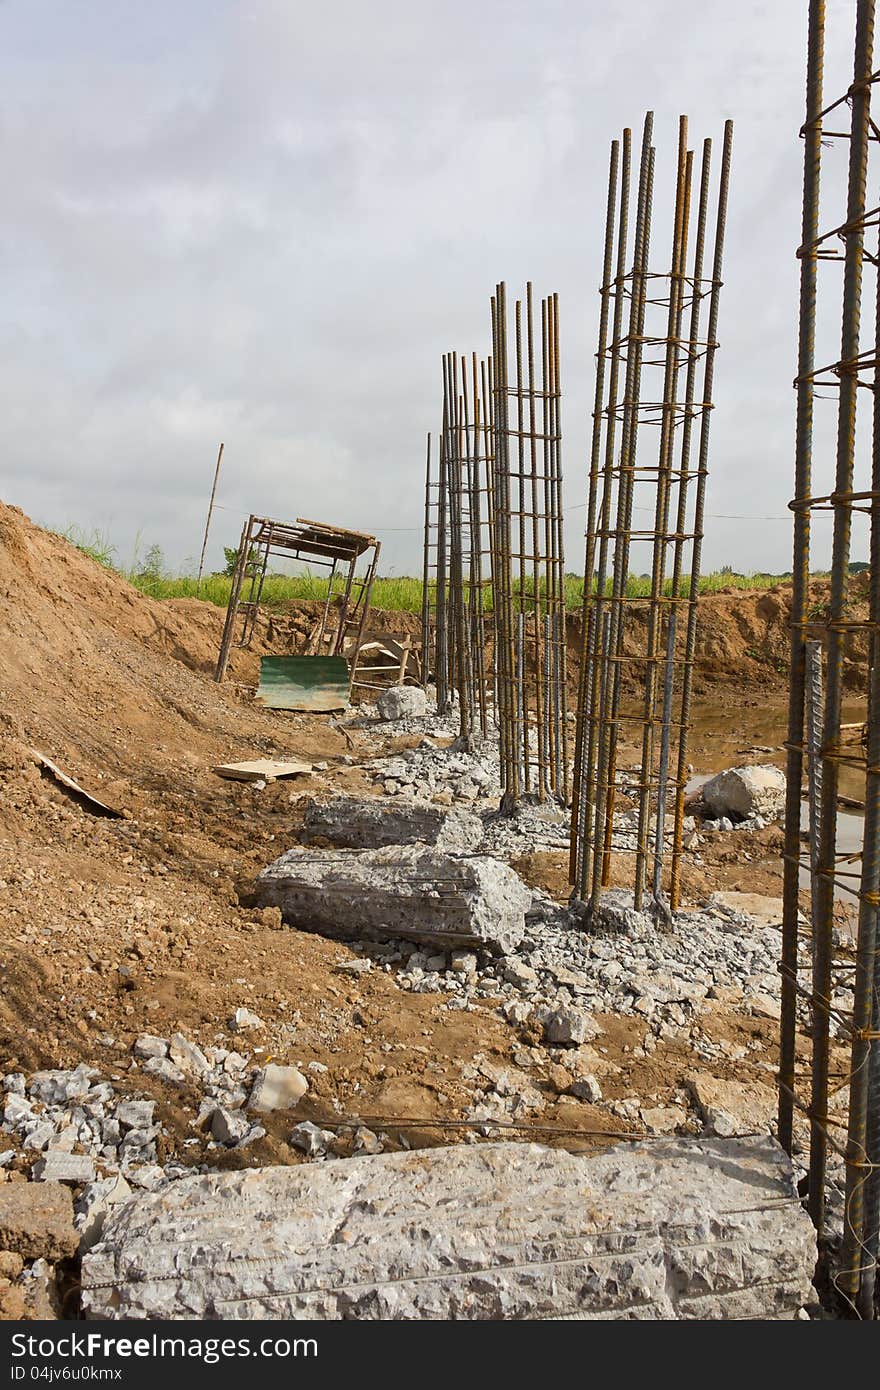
column 414, row 892
column 669, row 1229
column 402, row 702
column 741, row 793
column 350, row 822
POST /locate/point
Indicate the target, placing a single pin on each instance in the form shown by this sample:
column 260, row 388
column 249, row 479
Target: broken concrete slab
column 187, row 1055
column 352, row 822
column 229, row 1126
column 615, row 913
column 741, row 792
column 135, row 1114
column 415, row 892
column 669, row 1228
column 36, row 1220
column 402, row 702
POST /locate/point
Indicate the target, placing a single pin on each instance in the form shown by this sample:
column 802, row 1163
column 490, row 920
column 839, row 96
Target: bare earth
column 113, row 928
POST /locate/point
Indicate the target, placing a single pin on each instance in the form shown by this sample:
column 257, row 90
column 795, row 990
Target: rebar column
column 528, row 557
column 826, row 977
column 657, row 329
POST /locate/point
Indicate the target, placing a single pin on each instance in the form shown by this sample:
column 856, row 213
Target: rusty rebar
column 528, row 563
column 625, row 466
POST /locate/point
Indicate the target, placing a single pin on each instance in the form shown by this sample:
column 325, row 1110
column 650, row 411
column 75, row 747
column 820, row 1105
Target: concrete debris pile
column 716, row 952
column 409, row 891
column 350, row 822
column 83, row 1130
column 441, row 775
column 667, row 1229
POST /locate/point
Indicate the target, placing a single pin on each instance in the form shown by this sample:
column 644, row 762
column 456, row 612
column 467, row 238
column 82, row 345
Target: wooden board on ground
column 313, row 684
column 261, row 770
column 79, row 794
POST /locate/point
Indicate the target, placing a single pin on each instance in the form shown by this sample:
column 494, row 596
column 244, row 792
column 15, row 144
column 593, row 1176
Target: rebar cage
column 528, row 567
column 653, row 397
column 829, row 979
column 467, row 464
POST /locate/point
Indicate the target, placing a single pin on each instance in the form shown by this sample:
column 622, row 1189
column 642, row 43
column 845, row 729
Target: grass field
column 401, row 594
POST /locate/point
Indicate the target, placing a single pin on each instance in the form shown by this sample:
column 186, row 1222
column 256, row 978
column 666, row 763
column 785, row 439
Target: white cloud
column 264, row 222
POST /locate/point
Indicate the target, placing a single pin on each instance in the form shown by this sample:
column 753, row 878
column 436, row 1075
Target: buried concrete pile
column 672, row 1228
column 411, row 891
column 352, row 822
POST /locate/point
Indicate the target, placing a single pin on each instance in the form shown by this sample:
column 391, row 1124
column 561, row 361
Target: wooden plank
column 261, row 769
column 79, row 793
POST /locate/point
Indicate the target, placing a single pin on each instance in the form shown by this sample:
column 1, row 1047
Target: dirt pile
column 742, row 635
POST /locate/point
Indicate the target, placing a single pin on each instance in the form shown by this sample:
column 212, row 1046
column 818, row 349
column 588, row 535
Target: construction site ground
column 112, row 928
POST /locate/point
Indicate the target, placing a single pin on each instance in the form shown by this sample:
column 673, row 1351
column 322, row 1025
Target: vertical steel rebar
column 424, row 659
column 853, row 235
column 812, row 133
column 629, row 467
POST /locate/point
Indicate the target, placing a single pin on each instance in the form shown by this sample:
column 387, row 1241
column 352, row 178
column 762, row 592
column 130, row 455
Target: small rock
column 587, row 1088
column 558, row 1076
column 366, row 1142
column 135, row 1114
column 243, row 1019
column 310, row 1139
column 569, row 1027
column 359, row 966
column 165, row 1070
column 464, row 962
column 229, row 1126
column 746, row 791
column 764, row 1006
column 277, row 1088
column 148, row 1045
column 188, row 1055
column 516, row 972
column 663, row 1119
column 402, row 702
column 58, row 1166
column 94, row 1205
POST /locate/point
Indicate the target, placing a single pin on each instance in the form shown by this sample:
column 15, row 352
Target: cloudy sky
column 263, row 222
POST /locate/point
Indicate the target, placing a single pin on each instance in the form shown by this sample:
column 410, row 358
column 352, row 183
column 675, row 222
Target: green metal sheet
column 316, row 684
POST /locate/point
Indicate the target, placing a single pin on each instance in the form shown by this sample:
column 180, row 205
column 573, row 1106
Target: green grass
column 397, row 594
column 96, row 544
column 400, row 595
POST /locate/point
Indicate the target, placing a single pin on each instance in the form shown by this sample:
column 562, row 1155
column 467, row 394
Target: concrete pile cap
column 670, row 1228
column 411, row 891
column 352, row 822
